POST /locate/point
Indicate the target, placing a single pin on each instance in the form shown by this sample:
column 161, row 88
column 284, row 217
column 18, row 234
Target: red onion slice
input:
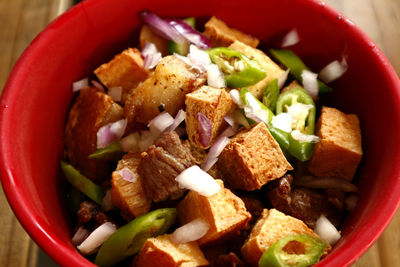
column 326, row 183
column 327, row 231
column 80, row 235
column 160, row 123
column 283, row 78
column 128, row 175
column 97, row 238
column 204, row 129
column 333, row 71
column 151, row 56
column 79, row 85
column 190, row 232
column 106, row 203
column 291, row 38
column 196, row 179
column 190, row 34
column 179, row 118
column 115, row 93
column 215, row 151
column 130, row 142
column 110, row 132
column 310, row 83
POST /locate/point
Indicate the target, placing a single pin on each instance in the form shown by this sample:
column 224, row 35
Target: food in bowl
column 210, row 132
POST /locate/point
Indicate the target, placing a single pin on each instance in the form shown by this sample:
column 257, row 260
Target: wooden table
column 22, row 20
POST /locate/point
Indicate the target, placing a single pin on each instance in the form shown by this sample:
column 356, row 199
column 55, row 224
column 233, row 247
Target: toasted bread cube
column 271, row 68
column 147, row 35
column 339, row 151
column 211, row 102
column 130, row 197
column 161, row 251
column 252, row 158
column 124, row 70
column 164, row 90
column 221, row 34
column 91, row 110
column 290, row 86
column 224, row 212
column 270, row 228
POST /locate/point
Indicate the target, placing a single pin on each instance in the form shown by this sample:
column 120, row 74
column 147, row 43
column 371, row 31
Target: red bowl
column 37, row 95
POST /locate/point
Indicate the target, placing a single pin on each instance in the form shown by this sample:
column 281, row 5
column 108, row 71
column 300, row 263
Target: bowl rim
column 53, row 245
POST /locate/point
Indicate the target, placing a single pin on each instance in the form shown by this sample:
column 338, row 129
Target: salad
column 198, row 149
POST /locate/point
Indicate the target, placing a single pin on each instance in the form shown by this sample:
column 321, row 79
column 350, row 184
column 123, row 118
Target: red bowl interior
column 36, row 99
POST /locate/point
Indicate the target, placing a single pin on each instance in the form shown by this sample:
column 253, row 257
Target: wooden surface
column 22, row 20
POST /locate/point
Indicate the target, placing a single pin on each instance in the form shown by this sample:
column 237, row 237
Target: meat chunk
column 228, row 260
column 90, row 216
column 91, row 110
column 214, row 104
column 221, row 34
column 224, row 212
column 161, row 251
column 339, row 150
column 252, row 158
column 130, row 197
column 161, row 163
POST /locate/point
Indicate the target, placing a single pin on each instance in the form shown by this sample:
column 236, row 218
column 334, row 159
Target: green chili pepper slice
column 83, row 184
column 111, row 152
column 300, row 150
column 129, row 239
column 239, row 70
column 296, row 66
column 298, row 250
column 270, row 94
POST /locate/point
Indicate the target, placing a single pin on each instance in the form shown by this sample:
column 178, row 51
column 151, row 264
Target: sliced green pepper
column 111, row 152
column 239, row 70
column 300, row 150
column 83, row 184
column 129, row 239
column 296, row 66
column 299, row 250
column 270, row 94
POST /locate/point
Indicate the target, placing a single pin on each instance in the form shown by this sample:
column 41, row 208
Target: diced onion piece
column 110, row 132
column 128, row 175
column 326, row 230
column 160, row 123
column 80, row 235
column 351, row 202
column 79, row 85
column 333, row 71
column 254, row 110
column 115, row 93
column 215, row 151
column 310, row 83
column 204, row 129
column 97, row 238
column 189, row 232
column 309, row 138
column 198, row 56
column 130, row 142
column 215, row 77
column 179, row 118
column 327, row 183
column 147, row 138
column 237, row 118
column 98, row 85
column 291, row 38
column 196, row 179
column 184, row 59
column 150, row 55
column 283, row 78
column 283, row 121
column 107, row 204
column 236, row 98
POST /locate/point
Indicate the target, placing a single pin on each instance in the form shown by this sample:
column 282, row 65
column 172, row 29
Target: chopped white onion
column 283, row 78
column 291, row 38
column 130, row 142
column 326, row 230
column 235, row 94
column 326, row 183
column 107, row 204
column 150, row 55
column 215, row 151
column 147, row 138
column 110, row 132
column 237, row 118
column 98, row 85
column 179, row 118
column 115, row 93
column 97, row 238
column 283, row 121
column 333, row 71
column 351, row 202
column 309, row 138
column 128, row 175
column 215, row 77
column 80, row 235
column 79, row 85
column 189, row 232
column 160, row 123
column 310, row 83
column 184, row 59
column 254, row 111
column 198, row 56
column 196, row 179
